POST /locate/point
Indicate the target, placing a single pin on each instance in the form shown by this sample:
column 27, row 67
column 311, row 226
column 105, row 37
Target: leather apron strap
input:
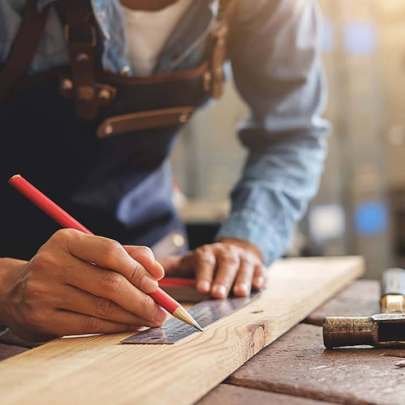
column 81, row 36
column 24, row 47
column 82, row 84
column 220, row 36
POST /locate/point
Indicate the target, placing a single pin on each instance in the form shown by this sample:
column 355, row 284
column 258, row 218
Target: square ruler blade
column 206, row 312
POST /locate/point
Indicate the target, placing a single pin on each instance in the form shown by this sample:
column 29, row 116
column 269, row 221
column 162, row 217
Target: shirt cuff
column 3, row 330
column 251, row 227
column 7, row 336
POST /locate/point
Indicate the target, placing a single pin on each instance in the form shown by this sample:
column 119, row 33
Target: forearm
column 10, row 275
column 273, row 193
column 285, row 135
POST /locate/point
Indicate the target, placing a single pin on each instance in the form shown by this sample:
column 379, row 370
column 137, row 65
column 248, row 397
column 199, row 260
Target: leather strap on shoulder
column 81, row 36
column 23, row 49
column 219, row 47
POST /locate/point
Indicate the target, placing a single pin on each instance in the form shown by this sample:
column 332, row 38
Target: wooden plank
column 359, row 299
column 99, row 370
column 7, row 351
column 226, row 394
column 297, row 364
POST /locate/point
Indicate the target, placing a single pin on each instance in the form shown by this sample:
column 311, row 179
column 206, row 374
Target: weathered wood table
column 296, row 369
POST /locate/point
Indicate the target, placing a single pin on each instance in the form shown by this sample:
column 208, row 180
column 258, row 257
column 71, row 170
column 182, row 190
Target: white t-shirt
column 147, row 33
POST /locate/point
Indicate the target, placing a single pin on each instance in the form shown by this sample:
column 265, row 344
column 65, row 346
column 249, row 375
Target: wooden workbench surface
column 297, row 370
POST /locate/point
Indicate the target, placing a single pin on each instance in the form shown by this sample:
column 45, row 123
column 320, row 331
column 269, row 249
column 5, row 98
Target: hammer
column 386, row 329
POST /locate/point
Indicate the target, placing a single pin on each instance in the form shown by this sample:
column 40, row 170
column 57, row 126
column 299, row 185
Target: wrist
column 10, row 274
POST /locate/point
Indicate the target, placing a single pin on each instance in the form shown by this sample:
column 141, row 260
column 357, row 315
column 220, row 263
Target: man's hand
column 80, row 284
column 222, row 267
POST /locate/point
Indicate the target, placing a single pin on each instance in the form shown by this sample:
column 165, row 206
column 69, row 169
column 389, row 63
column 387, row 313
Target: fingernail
column 158, row 272
column 160, row 316
column 241, row 289
column 219, row 291
column 203, row 286
column 161, row 271
column 259, row 281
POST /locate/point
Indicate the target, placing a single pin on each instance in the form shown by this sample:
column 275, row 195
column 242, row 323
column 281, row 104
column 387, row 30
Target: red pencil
column 177, row 282
column 67, row 221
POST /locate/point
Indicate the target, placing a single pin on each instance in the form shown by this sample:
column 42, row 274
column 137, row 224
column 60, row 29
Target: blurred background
column 360, row 208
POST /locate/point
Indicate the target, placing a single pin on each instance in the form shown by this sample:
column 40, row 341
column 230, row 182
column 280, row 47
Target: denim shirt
column 275, row 58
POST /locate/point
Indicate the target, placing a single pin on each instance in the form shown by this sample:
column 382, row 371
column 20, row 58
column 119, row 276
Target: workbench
column 296, row 369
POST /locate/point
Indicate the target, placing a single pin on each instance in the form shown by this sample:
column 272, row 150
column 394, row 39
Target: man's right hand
column 80, row 284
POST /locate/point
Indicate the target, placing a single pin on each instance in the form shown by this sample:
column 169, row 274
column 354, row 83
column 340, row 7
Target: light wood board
column 101, row 371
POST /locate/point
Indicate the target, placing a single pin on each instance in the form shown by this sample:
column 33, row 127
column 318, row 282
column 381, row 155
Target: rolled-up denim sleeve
column 275, row 56
column 3, row 330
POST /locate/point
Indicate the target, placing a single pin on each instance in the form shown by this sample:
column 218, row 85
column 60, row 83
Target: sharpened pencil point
column 183, row 315
column 198, row 326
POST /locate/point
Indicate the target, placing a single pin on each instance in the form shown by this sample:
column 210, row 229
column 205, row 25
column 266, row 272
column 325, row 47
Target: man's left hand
column 219, row 268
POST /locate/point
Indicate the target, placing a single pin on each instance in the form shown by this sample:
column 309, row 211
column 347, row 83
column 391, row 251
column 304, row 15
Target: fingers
column 78, row 301
column 227, row 268
column 146, row 258
column 114, row 287
column 108, row 254
column 221, row 266
column 69, row 323
column 243, row 283
column 92, row 283
column 259, row 277
column 205, row 262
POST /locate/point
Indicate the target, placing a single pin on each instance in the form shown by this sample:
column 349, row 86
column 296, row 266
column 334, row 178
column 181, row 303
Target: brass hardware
column 108, row 130
column 85, row 93
column 207, row 80
column 82, row 57
column 393, row 304
column 105, row 94
column 66, row 85
column 184, row 118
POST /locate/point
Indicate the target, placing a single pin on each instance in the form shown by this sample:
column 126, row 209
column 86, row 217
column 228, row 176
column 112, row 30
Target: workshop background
column 360, row 208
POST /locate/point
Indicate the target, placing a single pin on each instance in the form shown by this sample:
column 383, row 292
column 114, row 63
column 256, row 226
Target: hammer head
column 379, row 330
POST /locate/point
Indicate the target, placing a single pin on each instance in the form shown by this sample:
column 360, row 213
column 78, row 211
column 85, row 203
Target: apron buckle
column 104, row 93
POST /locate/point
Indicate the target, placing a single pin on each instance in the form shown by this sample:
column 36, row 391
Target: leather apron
column 112, row 174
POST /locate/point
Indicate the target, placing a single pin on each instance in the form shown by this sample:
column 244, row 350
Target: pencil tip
column 198, row 326
column 183, row 315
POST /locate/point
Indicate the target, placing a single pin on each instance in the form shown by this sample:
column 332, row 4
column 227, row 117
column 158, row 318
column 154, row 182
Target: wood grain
column 298, row 364
column 98, row 370
column 226, row 394
column 359, row 299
